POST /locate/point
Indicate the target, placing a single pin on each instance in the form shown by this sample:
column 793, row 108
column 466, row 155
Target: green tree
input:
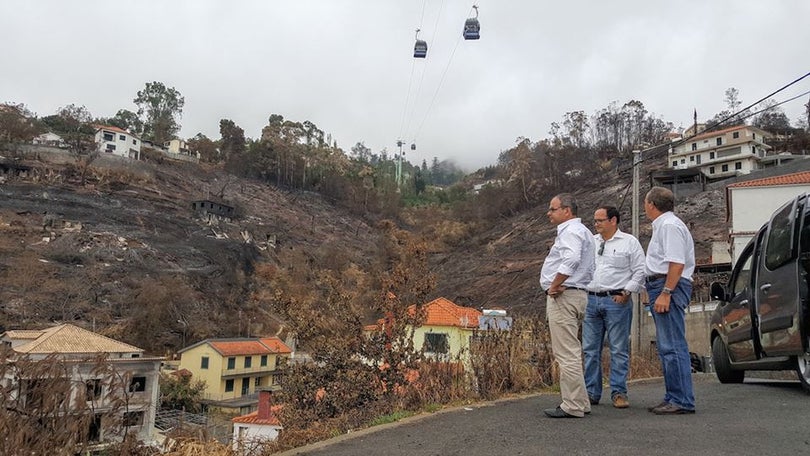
column 17, row 124
column 127, row 120
column 180, row 391
column 160, row 106
column 205, row 147
column 772, row 118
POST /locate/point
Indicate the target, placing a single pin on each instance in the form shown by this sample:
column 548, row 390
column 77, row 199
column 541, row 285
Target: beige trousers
column 565, row 313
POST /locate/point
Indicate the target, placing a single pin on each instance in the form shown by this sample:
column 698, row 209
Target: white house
column 93, row 390
column 722, row 153
column 251, row 430
column 115, row 141
column 751, row 203
column 177, row 146
column 49, row 139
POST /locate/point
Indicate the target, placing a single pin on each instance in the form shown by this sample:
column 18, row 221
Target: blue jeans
column 670, row 337
column 604, row 316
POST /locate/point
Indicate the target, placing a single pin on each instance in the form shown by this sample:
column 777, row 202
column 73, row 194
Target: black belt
column 568, row 288
column 654, row 277
column 603, row 294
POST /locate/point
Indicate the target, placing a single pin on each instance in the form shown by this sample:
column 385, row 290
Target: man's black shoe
column 593, row 401
column 558, row 413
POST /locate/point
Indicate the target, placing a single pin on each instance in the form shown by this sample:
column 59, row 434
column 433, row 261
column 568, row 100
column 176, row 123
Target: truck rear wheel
column 722, row 363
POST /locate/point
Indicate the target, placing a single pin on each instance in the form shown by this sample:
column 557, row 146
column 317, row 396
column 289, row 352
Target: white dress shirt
column 671, row 243
column 572, row 254
column 621, row 264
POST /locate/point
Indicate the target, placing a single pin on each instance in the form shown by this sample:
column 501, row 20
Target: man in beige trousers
column 566, row 271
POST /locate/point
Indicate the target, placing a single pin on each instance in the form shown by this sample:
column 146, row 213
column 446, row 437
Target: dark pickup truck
column 763, row 320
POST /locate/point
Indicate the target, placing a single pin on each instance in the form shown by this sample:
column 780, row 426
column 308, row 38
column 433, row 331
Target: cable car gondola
column 420, row 48
column 472, row 28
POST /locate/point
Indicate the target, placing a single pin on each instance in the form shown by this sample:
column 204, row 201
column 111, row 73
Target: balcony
column 241, row 372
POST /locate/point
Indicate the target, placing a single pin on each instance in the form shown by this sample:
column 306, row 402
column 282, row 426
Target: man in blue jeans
column 669, row 267
column 619, row 272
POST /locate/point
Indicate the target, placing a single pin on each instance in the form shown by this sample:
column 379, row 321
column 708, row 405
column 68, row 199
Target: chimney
column 265, row 401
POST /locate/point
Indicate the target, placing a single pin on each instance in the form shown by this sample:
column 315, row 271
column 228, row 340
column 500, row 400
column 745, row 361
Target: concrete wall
column 698, row 322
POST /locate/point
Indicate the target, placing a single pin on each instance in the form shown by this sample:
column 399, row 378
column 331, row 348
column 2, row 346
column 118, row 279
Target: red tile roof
column 253, row 417
column 275, row 344
column 786, row 179
column 264, row 346
column 443, row 312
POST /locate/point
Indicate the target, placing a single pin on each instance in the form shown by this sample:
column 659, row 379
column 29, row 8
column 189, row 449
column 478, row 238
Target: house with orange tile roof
column 115, row 141
column 262, row 425
column 750, row 203
column 722, row 153
column 447, row 330
column 128, row 376
column 235, row 369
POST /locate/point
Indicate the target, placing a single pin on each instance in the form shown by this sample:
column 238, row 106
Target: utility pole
column 399, row 164
column 635, row 338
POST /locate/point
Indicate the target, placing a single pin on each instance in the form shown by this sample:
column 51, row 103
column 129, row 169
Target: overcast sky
column 348, row 66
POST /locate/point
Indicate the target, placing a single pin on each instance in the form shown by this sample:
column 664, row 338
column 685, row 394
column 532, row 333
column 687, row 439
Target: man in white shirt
column 670, row 264
column 566, row 271
column 619, row 272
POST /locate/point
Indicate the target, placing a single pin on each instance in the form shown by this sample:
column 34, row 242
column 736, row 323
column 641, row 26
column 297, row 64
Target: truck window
column 744, row 277
column 780, row 239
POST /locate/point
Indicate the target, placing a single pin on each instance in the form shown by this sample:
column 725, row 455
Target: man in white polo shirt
column 670, row 265
column 619, row 272
column 566, row 271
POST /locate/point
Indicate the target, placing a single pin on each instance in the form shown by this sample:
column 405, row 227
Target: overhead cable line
column 441, row 81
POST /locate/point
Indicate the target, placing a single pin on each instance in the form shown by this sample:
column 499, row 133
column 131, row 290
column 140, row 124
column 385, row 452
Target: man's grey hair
column 662, row 198
column 567, row 200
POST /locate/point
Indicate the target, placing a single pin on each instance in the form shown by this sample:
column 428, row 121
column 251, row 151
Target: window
column 204, row 362
column 779, row 249
column 735, row 135
column 711, row 170
column 257, row 382
column 719, row 141
column 263, row 360
column 711, row 155
column 436, row 343
column 725, row 168
column 122, row 137
column 93, row 389
column 697, row 160
column 694, row 146
column 137, row 384
column 110, row 147
column 248, row 361
column 229, row 386
column 134, row 142
column 738, row 165
column 133, row 419
column 691, row 158
column 108, row 136
column 683, row 161
column 675, row 163
column 754, row 135
column 231, row 363
column 744, row 276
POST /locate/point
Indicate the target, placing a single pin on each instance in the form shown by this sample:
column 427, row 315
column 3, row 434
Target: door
column 777, row 283
column 245, row 386
column 737, row 311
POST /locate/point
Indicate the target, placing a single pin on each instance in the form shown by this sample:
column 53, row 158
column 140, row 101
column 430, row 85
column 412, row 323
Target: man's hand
column 621, row 299
column 662, row 303
column 555, row 290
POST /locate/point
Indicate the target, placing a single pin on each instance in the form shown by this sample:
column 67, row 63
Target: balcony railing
column 248, row 371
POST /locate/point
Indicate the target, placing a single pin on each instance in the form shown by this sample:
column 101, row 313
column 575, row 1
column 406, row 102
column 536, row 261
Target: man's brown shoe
column 620, row 401
column 652, row 409
column 671, row 409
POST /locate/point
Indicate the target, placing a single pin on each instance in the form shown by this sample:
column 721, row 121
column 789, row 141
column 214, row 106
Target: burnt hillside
column 117, row 247
column 125, row 253
column 500, row 267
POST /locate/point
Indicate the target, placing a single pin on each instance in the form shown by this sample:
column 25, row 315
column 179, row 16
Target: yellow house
column 235, row 369
column 445, row 335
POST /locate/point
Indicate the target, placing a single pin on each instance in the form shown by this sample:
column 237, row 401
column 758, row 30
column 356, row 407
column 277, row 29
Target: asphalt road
column 758, row 417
